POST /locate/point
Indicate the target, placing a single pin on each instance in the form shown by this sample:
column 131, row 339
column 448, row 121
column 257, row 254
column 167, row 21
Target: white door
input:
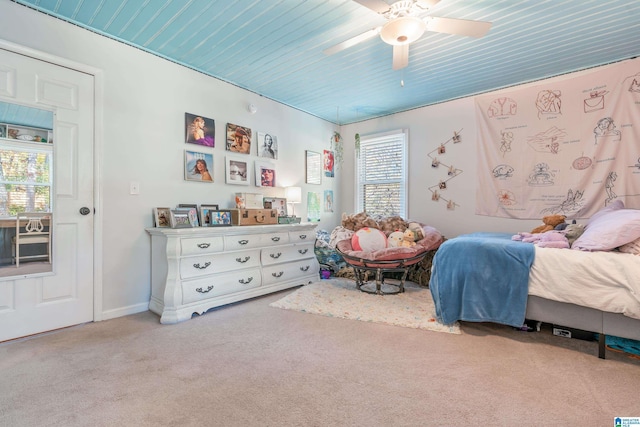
column 63, row 297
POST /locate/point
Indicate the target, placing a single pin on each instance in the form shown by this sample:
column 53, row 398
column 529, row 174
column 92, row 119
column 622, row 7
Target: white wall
column 428, row 128
column 145, row 98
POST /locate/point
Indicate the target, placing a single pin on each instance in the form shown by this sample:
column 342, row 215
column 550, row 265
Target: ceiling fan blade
column 400, row 56
column 461, row 27
column 352, row 41
column 378, row 6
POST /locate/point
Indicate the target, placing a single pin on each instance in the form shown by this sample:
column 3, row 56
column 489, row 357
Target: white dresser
column 195, row 269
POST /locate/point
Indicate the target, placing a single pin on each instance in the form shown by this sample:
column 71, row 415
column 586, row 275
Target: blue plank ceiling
column 274, row 48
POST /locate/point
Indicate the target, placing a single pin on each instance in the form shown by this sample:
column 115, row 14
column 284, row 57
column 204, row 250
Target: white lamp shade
column 293, row 194
column 403, row 30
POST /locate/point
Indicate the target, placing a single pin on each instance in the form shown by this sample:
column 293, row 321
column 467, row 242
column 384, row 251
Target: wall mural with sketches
column 568, row 147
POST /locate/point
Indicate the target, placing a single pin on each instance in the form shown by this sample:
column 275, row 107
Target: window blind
column 382, row 175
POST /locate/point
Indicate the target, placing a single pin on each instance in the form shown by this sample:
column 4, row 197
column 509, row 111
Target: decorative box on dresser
column 195, row 269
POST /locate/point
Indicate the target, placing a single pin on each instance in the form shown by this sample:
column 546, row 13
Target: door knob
column 85, row 210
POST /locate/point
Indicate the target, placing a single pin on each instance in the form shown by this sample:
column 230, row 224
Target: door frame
column 98, row 128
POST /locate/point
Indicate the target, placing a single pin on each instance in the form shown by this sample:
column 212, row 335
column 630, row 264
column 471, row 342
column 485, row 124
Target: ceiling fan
column 404, row 26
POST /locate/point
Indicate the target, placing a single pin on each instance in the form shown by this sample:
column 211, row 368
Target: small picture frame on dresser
column 162, row 217
column 180, row 219
column 220, row 218
column 205, row 214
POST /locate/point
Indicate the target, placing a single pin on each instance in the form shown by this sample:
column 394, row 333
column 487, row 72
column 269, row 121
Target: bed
column 594, row 286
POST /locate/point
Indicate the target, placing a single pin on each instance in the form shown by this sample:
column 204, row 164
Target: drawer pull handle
column 204, row 292
column 204, row 245
column 243, row 242
column 303, row 251
column 303, row 236
column 202, row 267
column 243, row 260
column 275, row 239
column 278, row 274
column 275, row 256
column 244, row 282
column 306, row 268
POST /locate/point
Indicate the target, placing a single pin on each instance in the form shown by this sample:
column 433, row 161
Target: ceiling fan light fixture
column 403, row 30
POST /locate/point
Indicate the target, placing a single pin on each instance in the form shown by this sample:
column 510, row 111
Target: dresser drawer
column 220, row 284
column 218, row 263
column 286, row 253
column 245, row 241
column 285, row 272
column 302, row 236
column 274, row 239
column 200, row 245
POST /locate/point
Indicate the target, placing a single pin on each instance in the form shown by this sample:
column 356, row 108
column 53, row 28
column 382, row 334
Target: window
column 25, row 177
column 381, row 174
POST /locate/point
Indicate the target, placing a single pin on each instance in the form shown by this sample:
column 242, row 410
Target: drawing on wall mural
column 595, row 101
column 502, row 107
column 572, row 204
column 547, row 141
column 549, row 102
column 608, row 187
column 637, row 165
column 632, row 83
column 605, row 131
column 541, row 176
column 452, row 171
column 506, row 198
column 502, row 171
column 506, row 138
column 582, row 163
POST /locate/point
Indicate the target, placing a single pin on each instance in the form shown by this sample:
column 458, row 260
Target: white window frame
column 31, row 148
column 401, row 137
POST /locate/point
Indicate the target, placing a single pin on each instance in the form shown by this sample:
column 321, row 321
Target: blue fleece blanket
column 481, row 277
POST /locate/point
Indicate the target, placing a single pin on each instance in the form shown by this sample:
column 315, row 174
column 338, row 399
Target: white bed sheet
column 607, row 281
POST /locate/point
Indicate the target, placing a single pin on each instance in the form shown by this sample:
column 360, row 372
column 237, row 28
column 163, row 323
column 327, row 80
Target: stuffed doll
column 395, row 239
column 408, row 239
column 553, row 239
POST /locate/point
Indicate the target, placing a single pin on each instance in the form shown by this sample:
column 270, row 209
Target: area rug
column 339, row 298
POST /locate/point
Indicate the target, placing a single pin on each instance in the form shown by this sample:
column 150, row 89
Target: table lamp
column 293, row 196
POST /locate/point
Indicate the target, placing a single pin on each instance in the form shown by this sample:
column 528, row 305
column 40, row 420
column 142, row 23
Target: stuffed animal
column 395, row 239
column 550, row 222
column 573, row 231
column 358, row 221
column 369, row 240
column 408, row 239
column 553, row 239
column 417, row 229
column 391, row 224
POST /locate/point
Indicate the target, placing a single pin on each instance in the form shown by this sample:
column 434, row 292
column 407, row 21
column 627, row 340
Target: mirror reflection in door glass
column 26, row 186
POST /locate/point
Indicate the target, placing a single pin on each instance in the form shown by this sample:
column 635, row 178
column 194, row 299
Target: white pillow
column 609, row 230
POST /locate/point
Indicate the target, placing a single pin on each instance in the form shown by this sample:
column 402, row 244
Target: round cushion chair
column 387, row 260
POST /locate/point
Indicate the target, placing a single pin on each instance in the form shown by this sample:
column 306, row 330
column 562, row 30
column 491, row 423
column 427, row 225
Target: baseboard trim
column 125, row 311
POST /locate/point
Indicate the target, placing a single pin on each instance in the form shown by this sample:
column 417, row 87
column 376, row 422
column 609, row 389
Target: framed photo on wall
column 237, row 171
column 238, row 139
column 313, row 167
column 267, row 145
column 199, row 130
column 328, row 163
column 198, row 166
column 265, row 174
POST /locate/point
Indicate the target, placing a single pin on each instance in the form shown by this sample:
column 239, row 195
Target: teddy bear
column 418, row 231
column 391, row 224
column 408, row 239
column 358, row 221
column 550, row 222
column 395, row 239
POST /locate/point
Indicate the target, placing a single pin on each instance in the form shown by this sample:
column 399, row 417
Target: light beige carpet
column 340, row 298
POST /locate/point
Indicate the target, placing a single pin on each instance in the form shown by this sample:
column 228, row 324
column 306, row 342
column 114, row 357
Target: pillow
column 617, row 204
column 631, row 247
column 368, row 240
column 609, row 230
